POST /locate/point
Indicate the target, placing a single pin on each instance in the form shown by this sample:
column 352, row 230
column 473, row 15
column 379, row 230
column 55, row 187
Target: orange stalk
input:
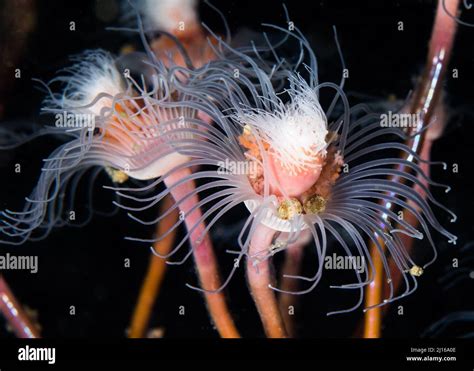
column 373, row 295
column 155, row 274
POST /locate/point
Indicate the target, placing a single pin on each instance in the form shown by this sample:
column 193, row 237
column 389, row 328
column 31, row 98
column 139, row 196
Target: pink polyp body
column 293, row 184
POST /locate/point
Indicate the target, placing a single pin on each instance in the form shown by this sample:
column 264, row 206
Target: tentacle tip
column 189, row 286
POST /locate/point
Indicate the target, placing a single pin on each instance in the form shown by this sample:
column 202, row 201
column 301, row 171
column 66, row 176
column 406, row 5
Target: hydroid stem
column 155, row 274
column 260, row 277
column 206, row 263
column 14, row 314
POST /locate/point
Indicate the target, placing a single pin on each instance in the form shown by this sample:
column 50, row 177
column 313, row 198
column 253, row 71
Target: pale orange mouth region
column 302, row 191
column 293, row 184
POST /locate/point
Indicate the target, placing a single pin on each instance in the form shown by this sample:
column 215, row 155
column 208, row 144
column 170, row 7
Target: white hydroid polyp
column 296, row 132
column 169, row 15
column 91, row 83
column 130, row 138
column 128, row 117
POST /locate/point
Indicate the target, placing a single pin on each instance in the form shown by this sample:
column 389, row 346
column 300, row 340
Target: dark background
column 84, row 266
